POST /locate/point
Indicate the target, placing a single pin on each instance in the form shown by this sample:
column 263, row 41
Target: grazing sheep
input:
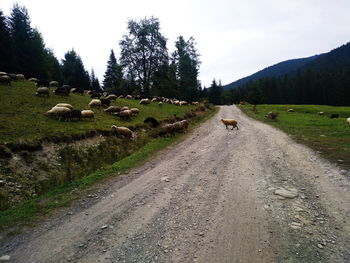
column 43, row 91
column 3, row 73
column 64, row 105
column 160, row 104
column 271, row 115
column 6, row 80
column 33, row 80
column 195, row 103
column 53, row 83
column 13, row 76
column 112, row 97
column 348, row 120
column 20, row 77
column 121, row 96
column 87, row 114
column 95, row 95
column 183, row 103
column 125, row 115
column 334, row 116
column 105, row 102
column 180, row 125
column 291, row 110
column 112, row 109
column 321, row 113
column 124, row 108
column 135, row 111
column 42, row 83
column 95, row 103
column 129, row 97
column 230, row 122
column 167, row 129
column 123, row 131
column 62, row 91
column 74, row 114
column 152, row 121
column 145, row 101
column 78, row 91
column 59, row 112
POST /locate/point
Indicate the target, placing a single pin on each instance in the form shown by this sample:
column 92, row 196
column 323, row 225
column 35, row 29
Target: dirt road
column 215, row 197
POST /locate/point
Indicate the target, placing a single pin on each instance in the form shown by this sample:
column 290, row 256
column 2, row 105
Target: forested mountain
column 279, row 69
column 324, row 80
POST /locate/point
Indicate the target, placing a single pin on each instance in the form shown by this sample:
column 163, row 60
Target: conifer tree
column 74, row 72
column 95, row 84
column 6, row 46
column 113, row 76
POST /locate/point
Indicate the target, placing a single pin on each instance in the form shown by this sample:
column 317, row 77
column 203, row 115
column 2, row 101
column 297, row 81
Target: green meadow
column 330, row 137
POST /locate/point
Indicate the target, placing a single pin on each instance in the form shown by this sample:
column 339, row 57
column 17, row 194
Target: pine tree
column 74, row 72
column 214, row 93
column 113, row 76
column 28, row 45
column 187, row 61
column 94, row 83
column 6, row 46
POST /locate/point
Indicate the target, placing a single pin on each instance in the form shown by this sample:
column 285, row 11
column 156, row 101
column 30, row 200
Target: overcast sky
column 235, row 38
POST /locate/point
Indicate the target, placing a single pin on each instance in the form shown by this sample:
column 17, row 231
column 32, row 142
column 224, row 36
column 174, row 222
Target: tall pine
column 113, row 76
column 74, row 72
column 6, row 47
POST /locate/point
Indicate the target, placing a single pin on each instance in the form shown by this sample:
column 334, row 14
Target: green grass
column 329, row 136
column 22, row 114
column 30, row 211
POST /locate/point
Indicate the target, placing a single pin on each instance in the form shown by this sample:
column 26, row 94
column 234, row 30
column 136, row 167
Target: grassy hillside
column 22, row 113
column 331, row 137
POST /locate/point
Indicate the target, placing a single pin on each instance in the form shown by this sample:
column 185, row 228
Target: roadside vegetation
column 22, row 114
column 330, row 137
column 34, row 182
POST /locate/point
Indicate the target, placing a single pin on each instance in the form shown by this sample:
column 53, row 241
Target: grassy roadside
column 31, row 211
column 20, row 109
column 330, row 137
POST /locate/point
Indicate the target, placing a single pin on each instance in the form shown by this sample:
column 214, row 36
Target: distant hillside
column 278, row 69
column 337, row 58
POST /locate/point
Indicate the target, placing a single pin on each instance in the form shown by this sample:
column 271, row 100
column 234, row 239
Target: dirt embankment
column 247, row 195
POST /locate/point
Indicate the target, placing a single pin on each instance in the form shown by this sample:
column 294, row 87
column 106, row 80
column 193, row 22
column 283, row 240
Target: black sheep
column 105, row 102
column 61, row 91
column 74, row 114
column 153, row 122
column 42, row 83
column 334, row 116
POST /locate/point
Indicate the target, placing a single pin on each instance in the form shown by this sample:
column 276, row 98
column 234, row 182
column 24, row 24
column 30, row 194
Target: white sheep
column 43, row 91
column 54, row 83
column 123, row 131
column 87, row 114
column 95, row 103
column 60, row 112
column 125, row 114
column 112, row 97
column 348, row 120
column 112, row 109
column 64, row 105
column 230, row 122
column 135, row 111
column 124, row 108
column 145, row 101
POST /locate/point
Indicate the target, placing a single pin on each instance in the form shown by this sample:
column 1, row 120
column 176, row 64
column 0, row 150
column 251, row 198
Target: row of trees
column 147, row 68
column 326, row 87
column 145, row 65
column 22, row 50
